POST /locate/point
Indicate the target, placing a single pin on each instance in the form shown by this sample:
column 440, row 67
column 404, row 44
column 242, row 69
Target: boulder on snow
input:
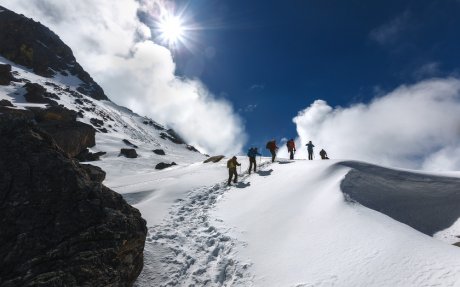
column 159, row 152
column 128, row 143
column 163, row 165
column 5, row 75
column 70, row 135
column 191, row 148
column 36, row 94
column 128, row 152
column 214, row 159
column 59, row 225
column 96, row 122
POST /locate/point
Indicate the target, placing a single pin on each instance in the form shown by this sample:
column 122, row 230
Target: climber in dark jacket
column 252, row 153
column 310, row 147
column 231, row 165
column 323, row 154
column 272, row 147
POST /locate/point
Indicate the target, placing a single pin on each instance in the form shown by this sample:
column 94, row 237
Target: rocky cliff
column 59, row 225
column 30, row 44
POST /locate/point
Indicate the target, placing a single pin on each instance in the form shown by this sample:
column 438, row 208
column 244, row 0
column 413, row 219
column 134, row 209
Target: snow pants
column 273, row 152
column 252, row 161
column 232, row 172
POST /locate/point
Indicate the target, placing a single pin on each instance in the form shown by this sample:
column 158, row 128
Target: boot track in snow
column 187, row 250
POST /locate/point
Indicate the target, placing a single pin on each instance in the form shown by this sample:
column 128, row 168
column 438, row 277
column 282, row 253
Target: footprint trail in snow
column 187, row 250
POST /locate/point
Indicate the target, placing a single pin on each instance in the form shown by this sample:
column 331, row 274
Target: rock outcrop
column 59, row 225
column 86, row 155
column 163, row 165
column 159, row 152
column 30, row 44
column 37, row 94
column 214, row 159
column 5, row 75
column 71, row 136
column 128, row 152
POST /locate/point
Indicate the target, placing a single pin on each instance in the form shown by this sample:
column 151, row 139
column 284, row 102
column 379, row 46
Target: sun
column 171, row 30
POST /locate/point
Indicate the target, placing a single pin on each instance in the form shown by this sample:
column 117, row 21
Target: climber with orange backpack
column 291, row 148
column 272, row 147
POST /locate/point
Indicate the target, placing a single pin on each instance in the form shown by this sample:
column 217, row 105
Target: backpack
column 250, row 152
column 271, row 145
column 229, row 163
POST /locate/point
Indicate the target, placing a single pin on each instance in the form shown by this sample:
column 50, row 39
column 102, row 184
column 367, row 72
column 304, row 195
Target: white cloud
column 115, row 47
column 427, row 70
column 257, row 87
column 415, row 126
column 390, row 32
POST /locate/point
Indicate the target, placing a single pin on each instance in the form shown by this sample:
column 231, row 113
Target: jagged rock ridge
column 29, row 43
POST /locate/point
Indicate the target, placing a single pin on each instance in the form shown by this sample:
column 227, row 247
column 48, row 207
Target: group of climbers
column 273, row 148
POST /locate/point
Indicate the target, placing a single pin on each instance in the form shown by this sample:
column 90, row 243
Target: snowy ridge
column 113, row 123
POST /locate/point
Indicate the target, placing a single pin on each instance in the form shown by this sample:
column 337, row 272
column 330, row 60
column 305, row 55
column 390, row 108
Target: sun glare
column 171, row 30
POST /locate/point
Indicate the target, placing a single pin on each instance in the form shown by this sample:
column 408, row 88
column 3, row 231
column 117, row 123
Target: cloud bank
column 415, row 126
column 116, row 48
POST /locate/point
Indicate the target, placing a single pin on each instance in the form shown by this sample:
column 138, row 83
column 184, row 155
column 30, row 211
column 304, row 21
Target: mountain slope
column 290, row 224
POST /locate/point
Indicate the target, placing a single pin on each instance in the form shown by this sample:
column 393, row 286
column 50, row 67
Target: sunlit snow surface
column 289, row 224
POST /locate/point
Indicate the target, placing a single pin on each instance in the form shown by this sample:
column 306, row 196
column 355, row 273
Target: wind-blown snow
column 289, row 224
column 415, row 126
column 299, row 231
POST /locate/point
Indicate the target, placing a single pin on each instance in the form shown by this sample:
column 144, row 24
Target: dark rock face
column 15, row 115
column 71, row 136
column 128, row 152
column 95, row 173
column 6, row 103
column 37, row 94
column 56, row 113
column 59, row 225
column 163, row 165
column 159, row 152
column 214, row 159
column 5, row 75
column 29, row 43
column 96, row 122
column 86, row 155
column 128, row 143
column 168, row 136
column 192, row 148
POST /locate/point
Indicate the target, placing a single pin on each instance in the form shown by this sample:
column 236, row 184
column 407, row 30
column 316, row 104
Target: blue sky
column 377, row 81
column 275, row 58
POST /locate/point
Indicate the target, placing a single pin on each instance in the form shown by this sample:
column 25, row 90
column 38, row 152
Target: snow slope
column 299, row 230
column 290, row 224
